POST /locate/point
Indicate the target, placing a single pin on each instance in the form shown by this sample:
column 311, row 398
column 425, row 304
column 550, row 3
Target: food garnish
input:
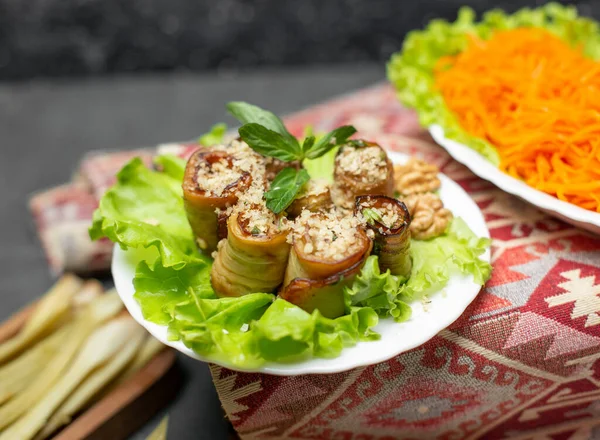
column 285, row 188
column 266, row 134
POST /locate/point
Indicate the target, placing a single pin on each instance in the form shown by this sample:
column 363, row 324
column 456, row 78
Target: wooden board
column 125, row 409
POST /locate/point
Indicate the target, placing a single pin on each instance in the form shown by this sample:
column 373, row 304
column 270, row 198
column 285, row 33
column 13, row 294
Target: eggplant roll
column 254, row 255
column 328, row 250
column 325, row 294
column 388, row 221
column 361, row 168
column 212, row 181
column 315, row 197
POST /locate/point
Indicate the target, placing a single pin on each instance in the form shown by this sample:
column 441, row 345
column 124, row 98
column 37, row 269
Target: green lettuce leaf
column 379, row 291
column 219, row 328
column 435, row 261
column 322, row 167
column 245, row 331
column 170, row 165
column 145, row 209
column 286, row 332
column 160, row 289
column 454, row 253
column 214, row 136
column 411, row 69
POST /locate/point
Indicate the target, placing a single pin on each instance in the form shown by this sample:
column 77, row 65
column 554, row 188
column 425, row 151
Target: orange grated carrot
column 537, row 100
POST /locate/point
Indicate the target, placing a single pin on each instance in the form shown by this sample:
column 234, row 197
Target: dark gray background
column 47, row 126
column 90, row 37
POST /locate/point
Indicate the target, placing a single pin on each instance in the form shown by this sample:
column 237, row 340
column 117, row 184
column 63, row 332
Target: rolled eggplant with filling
column 388, row 221
column 328, row 250
column 254, row 256
column 315, row 197
column 214, row 180
column 361, row 168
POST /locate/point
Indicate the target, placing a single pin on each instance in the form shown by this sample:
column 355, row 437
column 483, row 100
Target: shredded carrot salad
column 537, row 101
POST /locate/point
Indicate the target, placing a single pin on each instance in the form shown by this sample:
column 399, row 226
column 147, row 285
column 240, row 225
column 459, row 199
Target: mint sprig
column 269, row 143
column 265, row 133
column 336, row 137
column 284, row 188
column 248, row 113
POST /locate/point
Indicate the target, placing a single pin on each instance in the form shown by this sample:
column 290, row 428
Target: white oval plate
column 470, row 158
column 442, row 311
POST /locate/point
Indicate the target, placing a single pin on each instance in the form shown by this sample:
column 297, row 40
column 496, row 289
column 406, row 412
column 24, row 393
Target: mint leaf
column 308, row 131
column 269, row 143
column 214, row 136
column 248, row 113
column 307, row 144
column 332, row 139
column 284, row 188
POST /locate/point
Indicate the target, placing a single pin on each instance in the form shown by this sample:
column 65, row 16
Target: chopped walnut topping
column 429, row 217
column 369, row 164
column 326, row 234
column 216, row 177
column 259, row 220
column 314, row 187
column 386, row 214
column 415, row 177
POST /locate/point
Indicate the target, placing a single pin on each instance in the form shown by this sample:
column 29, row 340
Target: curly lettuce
column 411, row 69
column 380, row 291
column 144, row 210
column 456, row 252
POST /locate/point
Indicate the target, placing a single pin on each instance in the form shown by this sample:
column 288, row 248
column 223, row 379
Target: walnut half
column 415, row 177
column 429, row 217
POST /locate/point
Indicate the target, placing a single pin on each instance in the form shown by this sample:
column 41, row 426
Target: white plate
column 445, row 307
column 568, row 212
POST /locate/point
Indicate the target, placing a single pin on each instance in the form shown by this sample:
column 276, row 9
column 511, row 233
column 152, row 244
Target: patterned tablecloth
column 522, row 362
